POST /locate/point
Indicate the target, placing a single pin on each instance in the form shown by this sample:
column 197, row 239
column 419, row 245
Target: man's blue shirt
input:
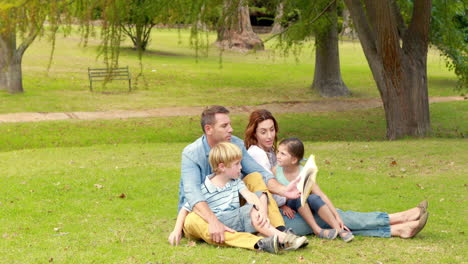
column 195, row 167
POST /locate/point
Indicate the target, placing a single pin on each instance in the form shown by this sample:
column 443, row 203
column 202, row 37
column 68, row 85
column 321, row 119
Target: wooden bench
column 105, row 74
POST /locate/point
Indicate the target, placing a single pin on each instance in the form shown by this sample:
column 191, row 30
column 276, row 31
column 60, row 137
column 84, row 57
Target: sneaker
column 269, row 244
column 293, row 242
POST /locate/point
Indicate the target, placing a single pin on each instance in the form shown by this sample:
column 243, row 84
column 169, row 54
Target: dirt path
column 324, row 105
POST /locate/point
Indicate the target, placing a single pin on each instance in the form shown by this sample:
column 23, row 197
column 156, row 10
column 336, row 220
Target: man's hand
column 174, row 238
column 216, row 230
column 291, row 191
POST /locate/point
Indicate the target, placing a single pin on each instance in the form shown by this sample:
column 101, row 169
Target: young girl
column 261, row 140
column 290, row 154
column 221, row 191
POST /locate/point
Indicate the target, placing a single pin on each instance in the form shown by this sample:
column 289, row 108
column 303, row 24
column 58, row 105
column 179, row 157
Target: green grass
column 171, row 71
column 449, row 120
column 52, row 209
column 61, row 184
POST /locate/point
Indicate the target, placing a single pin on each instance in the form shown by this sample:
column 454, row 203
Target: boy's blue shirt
column 195, row 167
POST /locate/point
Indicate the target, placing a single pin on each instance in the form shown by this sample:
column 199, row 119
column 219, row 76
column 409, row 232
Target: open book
column 307, row 174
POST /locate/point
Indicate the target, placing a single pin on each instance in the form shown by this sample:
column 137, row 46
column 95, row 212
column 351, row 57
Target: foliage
column 449, row 33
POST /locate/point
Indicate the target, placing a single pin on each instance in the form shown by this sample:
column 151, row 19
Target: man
column 203, row 224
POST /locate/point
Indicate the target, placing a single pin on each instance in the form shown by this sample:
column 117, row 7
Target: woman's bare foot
column 409, row 229
column 412, row 214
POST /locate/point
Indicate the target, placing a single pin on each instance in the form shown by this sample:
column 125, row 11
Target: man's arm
column 191, row 175
column 249, row 165
column 289, row 191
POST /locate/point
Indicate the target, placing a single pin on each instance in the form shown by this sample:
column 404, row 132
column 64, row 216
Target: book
column 307, row 175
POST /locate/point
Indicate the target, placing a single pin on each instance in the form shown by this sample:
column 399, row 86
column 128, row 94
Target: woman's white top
column 267, row 160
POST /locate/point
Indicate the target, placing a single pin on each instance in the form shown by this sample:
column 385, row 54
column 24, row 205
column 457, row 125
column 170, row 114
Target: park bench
column 108, row 74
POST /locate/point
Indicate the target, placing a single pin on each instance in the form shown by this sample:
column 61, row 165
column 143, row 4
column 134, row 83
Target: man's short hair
column 224, row 152
column 208, row 115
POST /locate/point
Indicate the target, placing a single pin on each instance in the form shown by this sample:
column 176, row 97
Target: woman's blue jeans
column 373, row 224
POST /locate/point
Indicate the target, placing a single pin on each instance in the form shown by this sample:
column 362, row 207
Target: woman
column 261, row 139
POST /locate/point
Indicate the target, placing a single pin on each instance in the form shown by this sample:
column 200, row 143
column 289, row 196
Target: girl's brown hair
column 256, row 117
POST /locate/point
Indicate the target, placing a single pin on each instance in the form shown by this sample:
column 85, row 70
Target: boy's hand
column 291, row 191
column 261, row 219
column 287, row 211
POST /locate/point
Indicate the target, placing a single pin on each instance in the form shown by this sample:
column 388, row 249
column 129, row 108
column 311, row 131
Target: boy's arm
column 251, row 198
column 176, row 234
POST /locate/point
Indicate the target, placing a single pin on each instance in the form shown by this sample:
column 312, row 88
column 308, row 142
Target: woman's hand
column 287, row 211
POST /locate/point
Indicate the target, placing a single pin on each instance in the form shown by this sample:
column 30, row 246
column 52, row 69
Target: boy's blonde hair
column 224, row 152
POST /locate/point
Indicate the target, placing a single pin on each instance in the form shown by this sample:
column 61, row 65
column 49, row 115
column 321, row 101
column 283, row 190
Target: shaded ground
column 323, row 105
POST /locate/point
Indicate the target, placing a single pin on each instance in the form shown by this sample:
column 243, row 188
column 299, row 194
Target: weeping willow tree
column 316, row 20
column 21, row 22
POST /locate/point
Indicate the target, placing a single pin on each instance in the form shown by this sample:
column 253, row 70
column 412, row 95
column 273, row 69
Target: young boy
column 221, row 191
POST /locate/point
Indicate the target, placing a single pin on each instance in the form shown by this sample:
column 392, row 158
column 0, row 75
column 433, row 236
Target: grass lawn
column 106, row 191
column 173, row 77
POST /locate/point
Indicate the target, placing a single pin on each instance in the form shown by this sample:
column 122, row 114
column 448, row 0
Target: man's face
column 221, row 130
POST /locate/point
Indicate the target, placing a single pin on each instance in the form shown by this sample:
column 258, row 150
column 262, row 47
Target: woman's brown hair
column 256, row 117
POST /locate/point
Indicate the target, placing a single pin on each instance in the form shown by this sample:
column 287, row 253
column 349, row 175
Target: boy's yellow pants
column 196, row 228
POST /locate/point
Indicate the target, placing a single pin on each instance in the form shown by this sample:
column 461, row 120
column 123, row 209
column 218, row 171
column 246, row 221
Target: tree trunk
column 398, row 65
column 237, row 33
column 327, row 76
column 277, row 28
column 10, row 64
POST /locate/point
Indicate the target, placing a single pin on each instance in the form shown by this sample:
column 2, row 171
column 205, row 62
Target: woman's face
column 265, row 134
column 284, row 158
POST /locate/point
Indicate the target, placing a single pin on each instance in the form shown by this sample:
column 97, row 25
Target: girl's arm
column 316, row 190
column 176, row 234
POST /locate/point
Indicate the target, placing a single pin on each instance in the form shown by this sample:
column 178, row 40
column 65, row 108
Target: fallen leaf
column 122, row 195
column 327, row 162
column 99, row 186
column 23, row 182
column 192, row 243
column 361, row 161
column 301, row 259
column 56, row 229
column 403, row 170
column 393, row 163
column 441, row 200
column 420, row 186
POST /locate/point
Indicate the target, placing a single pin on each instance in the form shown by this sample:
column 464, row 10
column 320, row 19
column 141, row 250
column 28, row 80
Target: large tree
column 397, row 55
column 20, row 23
column 307, row 19
column 327, row 76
